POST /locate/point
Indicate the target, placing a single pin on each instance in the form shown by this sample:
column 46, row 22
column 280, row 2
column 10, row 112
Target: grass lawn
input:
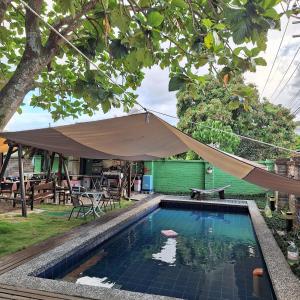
column 17, row 233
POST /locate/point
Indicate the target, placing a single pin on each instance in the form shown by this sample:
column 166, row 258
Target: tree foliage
column 211, row 114
column 123, row 38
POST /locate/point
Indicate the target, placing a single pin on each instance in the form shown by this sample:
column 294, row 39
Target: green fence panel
column 37, row 162
column 178, row 176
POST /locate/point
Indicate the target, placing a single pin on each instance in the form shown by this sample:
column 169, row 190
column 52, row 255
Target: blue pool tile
column 208, row 260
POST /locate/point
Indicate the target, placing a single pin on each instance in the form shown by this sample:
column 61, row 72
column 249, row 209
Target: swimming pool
column 213, row 257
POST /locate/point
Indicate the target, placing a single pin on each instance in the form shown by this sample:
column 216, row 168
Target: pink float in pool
column 169, row 233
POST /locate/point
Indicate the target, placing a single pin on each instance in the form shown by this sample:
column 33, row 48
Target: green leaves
column 272, row 13
column 68, row 6
column 120, row 19
column 126, row 38
column 260, row 61
column 155, row 18
column 117, row 50
column 207, row 23
column 179, row 3
column 106, row 105
column 266, row 4
column 212, row 114
column 217, row 133
column 209, row 40
column 177, row 82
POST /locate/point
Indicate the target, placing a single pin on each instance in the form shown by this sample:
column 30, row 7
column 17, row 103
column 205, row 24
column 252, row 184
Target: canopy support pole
column 6, row 160
column 59, row 175
column 67, row 174
column 1, row 160
column 50, row 166
column 22, row 184
column 129, row 181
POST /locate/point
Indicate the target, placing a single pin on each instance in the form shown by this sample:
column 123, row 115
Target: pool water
column 212, row 257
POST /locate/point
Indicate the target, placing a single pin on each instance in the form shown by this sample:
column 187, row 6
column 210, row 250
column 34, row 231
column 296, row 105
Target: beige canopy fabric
column 3, row 146
column 142, row 137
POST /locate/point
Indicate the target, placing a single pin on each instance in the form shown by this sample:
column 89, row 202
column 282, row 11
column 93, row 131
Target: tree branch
column 68, row 24
column 3, row 8
column 32, row 29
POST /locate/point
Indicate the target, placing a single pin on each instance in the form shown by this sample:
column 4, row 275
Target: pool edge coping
column 285, row 284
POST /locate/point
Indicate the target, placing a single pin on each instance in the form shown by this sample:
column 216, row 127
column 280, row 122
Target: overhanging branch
column 68, row 24
column 32, row 28
column 3, row 8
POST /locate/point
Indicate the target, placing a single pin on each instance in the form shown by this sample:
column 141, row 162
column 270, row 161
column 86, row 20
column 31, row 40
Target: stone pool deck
column 285, row 284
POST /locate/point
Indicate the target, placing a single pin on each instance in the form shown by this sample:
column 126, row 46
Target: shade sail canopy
column 3, row 145
column 142, row 137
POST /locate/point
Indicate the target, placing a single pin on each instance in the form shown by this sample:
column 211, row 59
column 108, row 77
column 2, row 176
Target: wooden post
column 67, row 174
column 45, row 161
column 129, row 181
column 22, row 185
column 5, row 163
column 59, row 175
column 50, row 166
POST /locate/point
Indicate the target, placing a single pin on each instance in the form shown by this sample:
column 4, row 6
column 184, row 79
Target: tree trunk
column 35, row 57
column 12, row 95
column 3, row 7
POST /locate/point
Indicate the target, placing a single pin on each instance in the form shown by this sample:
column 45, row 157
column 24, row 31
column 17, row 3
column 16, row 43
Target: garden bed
column 277, row 226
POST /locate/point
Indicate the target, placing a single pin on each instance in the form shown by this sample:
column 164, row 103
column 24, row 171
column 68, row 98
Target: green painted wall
column 37, row 163
column 178, row 176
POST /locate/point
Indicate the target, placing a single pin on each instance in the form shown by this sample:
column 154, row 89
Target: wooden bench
column 41, row 192
column 198, row 193
column 28, row 191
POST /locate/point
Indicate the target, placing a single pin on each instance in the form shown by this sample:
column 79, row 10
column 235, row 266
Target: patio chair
column 81, row 206
column 6, row 190
column 115, row 195
column 63, row 192
column 106, row 199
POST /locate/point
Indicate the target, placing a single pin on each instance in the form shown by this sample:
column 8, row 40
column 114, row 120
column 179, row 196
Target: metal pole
column 22, row 185
column 50, row 166
column 67, row 174
column 59, row 175
column 5, row 163
column 1, row 160
column 129, row 181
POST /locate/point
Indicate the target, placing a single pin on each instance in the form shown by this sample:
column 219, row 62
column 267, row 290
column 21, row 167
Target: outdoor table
column 95, row 197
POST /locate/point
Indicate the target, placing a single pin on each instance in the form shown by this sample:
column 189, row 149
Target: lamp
column 209, row 170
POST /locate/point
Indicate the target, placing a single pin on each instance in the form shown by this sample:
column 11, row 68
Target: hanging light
column 209, row 170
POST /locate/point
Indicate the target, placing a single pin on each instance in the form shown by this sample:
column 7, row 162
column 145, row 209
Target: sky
column 154, row 93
